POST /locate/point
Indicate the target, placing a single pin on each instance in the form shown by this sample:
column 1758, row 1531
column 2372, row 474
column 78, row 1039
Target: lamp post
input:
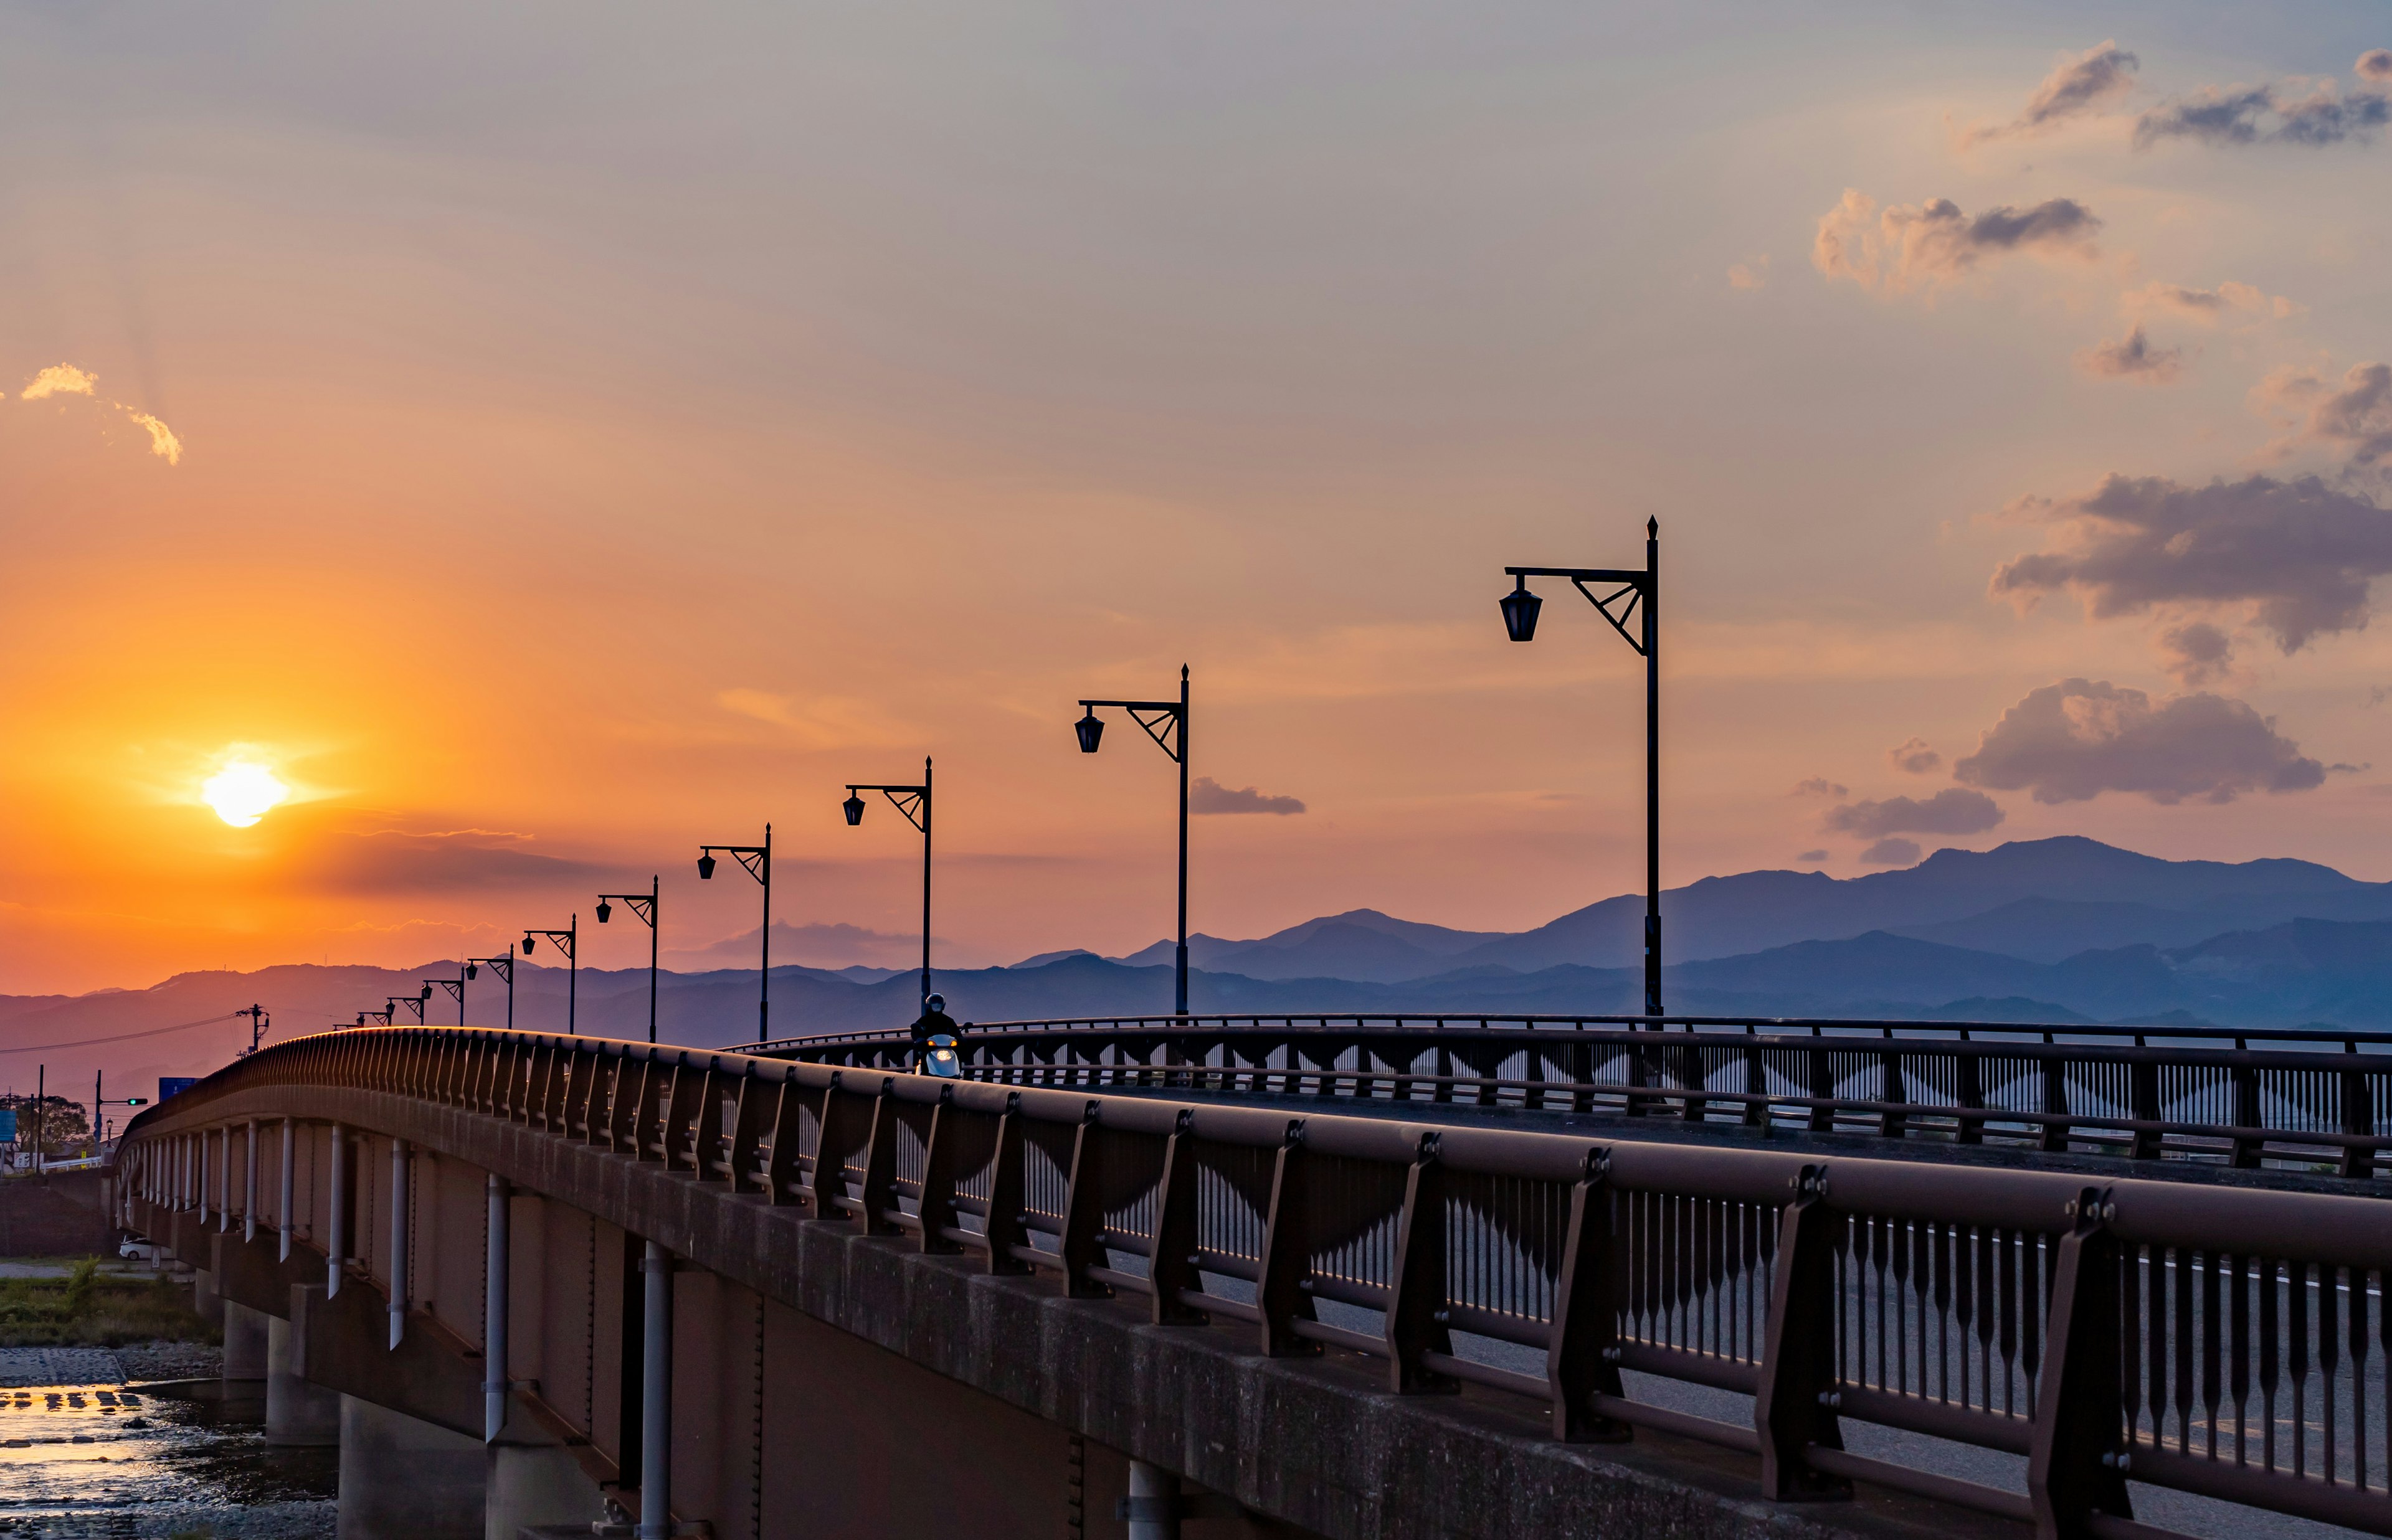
column 1166, row 724
column 259, row 1021
column 567, row 941
column 1634, row 594
column 455, row 988
column 915, row 803
column 412, row 1002
column 504, row 966
column 643, row 905
column 758, row 861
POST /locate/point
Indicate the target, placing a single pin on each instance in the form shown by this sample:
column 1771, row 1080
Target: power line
column 119, row 1037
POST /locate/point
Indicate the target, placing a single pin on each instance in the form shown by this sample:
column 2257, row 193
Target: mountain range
column 2059, row 930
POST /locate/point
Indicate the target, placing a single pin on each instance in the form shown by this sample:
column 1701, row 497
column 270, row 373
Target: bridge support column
column 495, row 1372
column 533, row 1480
column 245, row 1341
column 406, row 1480
column 298, row 1415
column 206, row 1303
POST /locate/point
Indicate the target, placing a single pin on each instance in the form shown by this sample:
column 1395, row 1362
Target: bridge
column 1338, row 1276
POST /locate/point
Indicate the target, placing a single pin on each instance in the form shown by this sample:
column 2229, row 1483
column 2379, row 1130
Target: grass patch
column 85, row 1310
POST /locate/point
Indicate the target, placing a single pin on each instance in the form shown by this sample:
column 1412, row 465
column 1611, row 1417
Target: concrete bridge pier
column 298, row 1415
column 402, row 1478
column 246, row 1347
column 206, row 1303
column 532, row 1480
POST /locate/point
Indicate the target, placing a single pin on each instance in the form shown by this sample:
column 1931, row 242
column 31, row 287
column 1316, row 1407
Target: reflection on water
column 143, row 1465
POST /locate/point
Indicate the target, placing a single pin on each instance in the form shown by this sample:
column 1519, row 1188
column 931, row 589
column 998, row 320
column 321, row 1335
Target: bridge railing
column 2220, row 1341
column 2244, row 1098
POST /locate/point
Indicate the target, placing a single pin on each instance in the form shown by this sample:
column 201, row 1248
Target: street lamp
column 569, row 942
column 1166, row 724
column 915, row 803
column 644, row 906
column 455, row 988
column 259, row 1021
column 1634, row 594
column 412, row 1002
column 504, row 966
column 758, row 861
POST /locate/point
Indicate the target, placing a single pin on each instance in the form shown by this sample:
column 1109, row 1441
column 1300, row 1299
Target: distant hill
column 2020, row 899
column 2059, row 930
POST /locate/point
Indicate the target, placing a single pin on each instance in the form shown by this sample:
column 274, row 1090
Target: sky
column 545, row 439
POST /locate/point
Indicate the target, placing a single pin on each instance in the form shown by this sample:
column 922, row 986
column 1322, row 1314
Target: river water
column 152, row 1464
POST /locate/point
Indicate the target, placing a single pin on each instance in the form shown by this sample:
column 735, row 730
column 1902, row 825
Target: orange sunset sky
column 550, row 438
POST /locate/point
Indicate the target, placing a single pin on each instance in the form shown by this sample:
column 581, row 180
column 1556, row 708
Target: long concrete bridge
column 1338, row 1278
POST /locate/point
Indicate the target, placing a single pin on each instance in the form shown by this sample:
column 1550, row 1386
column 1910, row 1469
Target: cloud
column 67, row 380
column 2374, row 64
column 1912, row 755
column 2197, row 652
column 2300, row 554
column 390, row 861
column 2209, row 306
column 2071, row 741
column 2269, row 114
column 2356, row 419
column 1748, row 275
column 1208, row 795
column 1954, row 811
column 1809, row 856
column 1818, row 785
column 2079, row 85
column 1933, row 245
column 2132, row 358
column 58, row 380
column 162, row 442
column 1891, row 852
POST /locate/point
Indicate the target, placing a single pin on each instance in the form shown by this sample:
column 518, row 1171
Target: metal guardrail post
column 750, row 1119
column 1969, row 1074
column 1007, row 1181
column 2246, row 1115
column 2359, row 1118
column 1084, row 1209
column 880, row 1165
column 935, row 1206
column 1791, row 1409
column 2055, row 1104
column 1416, row 1305
column 2143, row 1077
column 2076, row 1466
column 1580, row 1362
column 1172, row 1267
column 1287, row 1252
column 782, row 1172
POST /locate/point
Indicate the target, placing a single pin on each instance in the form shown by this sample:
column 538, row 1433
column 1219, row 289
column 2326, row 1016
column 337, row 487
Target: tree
column 52, row 1122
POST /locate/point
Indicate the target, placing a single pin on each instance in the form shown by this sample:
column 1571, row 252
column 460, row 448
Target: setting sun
column 242, row 793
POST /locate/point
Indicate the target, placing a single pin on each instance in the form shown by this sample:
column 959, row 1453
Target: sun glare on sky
column 242, row 793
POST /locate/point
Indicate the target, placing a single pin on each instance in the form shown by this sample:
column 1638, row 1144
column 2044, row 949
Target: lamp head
column 1520, row 609
column 1091, row 729
column 605, row 908
column 526, row 945
column 427, row 994
column 706, row 866
column 853, row 809
column 473, row 971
